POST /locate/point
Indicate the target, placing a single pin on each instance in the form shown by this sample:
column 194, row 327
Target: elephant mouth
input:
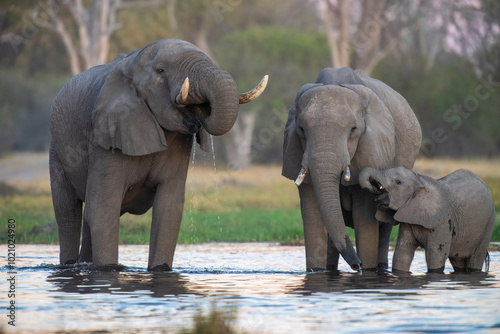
column 382, row 198
column 193, row 115
column 192, row 125
column 383, row 201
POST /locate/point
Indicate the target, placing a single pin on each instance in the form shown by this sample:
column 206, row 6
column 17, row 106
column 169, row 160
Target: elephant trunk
column 223, row 96
column 372, row 180
column 209, row 92
column 214, row 92
column 326, row 182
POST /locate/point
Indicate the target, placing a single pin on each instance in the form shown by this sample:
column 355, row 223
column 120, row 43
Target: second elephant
column 337, row 126
column 452, row 217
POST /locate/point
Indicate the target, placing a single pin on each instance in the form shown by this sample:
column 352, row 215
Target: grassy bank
column 252, row 205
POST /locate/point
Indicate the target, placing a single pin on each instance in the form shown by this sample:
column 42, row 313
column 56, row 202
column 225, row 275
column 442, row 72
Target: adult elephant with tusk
column 337, row 126
column 122, row 135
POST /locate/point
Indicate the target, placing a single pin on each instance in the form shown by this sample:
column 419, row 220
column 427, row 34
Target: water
column 265, row 285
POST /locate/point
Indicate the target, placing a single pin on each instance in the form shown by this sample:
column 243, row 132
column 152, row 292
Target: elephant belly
column 138, row 200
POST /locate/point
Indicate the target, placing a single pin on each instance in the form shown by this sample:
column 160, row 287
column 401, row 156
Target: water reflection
column 251, row 283
column 153, row 284
column 387, row 282
column 267, row 284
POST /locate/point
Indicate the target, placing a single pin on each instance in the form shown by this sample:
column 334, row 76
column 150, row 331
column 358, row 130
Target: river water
column 263, row 285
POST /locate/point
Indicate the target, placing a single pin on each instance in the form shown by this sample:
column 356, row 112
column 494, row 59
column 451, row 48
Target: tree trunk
column 238, row 142
column 94, row 26
column 339, row 47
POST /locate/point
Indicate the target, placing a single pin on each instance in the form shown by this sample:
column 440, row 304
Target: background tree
column 361, row 33
column 435, row 53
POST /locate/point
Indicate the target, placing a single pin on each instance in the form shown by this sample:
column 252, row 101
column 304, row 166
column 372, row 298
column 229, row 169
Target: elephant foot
column 436, row 270
column 383, row 266
column 108, row 267
column 161, row 267
column 69, row 262
column 332, row 267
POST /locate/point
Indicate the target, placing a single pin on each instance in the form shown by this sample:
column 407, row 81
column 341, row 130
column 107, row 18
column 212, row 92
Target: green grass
column 237, row 210
column 215, row 322
column 494, row 185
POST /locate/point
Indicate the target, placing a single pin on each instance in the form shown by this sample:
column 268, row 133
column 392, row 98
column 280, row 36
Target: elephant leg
column 104, row 220
column 478, row 257
column 315, row 235
column 459, row 264
column 435, row 262
column 437, row 251
column 366, row 228
column 68, row 211
column 86, row 249
column 405, row 249
column 167, row 216
column 384, row 238
column 104, row 196
column 332, row 258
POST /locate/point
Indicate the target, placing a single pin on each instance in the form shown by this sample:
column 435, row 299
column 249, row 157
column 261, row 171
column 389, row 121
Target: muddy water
column 264, row 285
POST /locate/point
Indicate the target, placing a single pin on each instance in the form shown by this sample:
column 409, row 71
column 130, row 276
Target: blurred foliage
column 282, row 38
column 291, row 59
column 24, row 110
column 458, row 113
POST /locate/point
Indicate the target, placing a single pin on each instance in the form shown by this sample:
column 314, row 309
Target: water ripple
column 264, row 284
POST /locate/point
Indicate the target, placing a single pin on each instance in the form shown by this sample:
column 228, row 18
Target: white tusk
column 347, row 173
column 301, row 177
column 254, row 93
column 381, row 188
column 181, row 98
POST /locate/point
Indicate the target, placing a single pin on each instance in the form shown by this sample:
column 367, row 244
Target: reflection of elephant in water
column 403, row 282
column 342, row 123
column 121, row 139
column 84, row 282
column 452, row 217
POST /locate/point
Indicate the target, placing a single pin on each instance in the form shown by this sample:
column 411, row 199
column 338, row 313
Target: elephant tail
column 487, row 262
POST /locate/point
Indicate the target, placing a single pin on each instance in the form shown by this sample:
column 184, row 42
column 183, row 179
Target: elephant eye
column 160, row 70
column 353, row 129
column 398, row 181
column 300, row 130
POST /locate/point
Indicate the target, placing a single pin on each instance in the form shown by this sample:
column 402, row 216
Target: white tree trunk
column 94, row 26
column 238, row 142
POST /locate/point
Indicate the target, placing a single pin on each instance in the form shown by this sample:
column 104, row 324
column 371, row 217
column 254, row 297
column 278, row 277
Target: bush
column 24, row 110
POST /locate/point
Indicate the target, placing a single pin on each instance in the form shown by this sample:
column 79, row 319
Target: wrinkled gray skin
column 345, row 119
column 452, row 217
column 121, row 143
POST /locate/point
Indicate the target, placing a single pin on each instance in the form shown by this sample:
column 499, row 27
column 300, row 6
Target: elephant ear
column 293, row 152
column 122, row 120
column 427, row 207
column 292, row 149
column 377, row 146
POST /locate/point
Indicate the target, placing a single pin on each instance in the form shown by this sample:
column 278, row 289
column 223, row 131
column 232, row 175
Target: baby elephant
column 452, row 217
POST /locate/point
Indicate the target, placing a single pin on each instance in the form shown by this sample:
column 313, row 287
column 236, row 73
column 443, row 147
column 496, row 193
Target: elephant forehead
column 330, row 102
column 401, row 172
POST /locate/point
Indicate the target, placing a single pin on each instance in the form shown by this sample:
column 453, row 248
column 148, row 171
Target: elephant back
column 407, row 128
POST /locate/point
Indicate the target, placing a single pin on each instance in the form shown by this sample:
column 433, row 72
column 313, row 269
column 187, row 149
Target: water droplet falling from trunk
column 192, row 205
column 216, row 182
